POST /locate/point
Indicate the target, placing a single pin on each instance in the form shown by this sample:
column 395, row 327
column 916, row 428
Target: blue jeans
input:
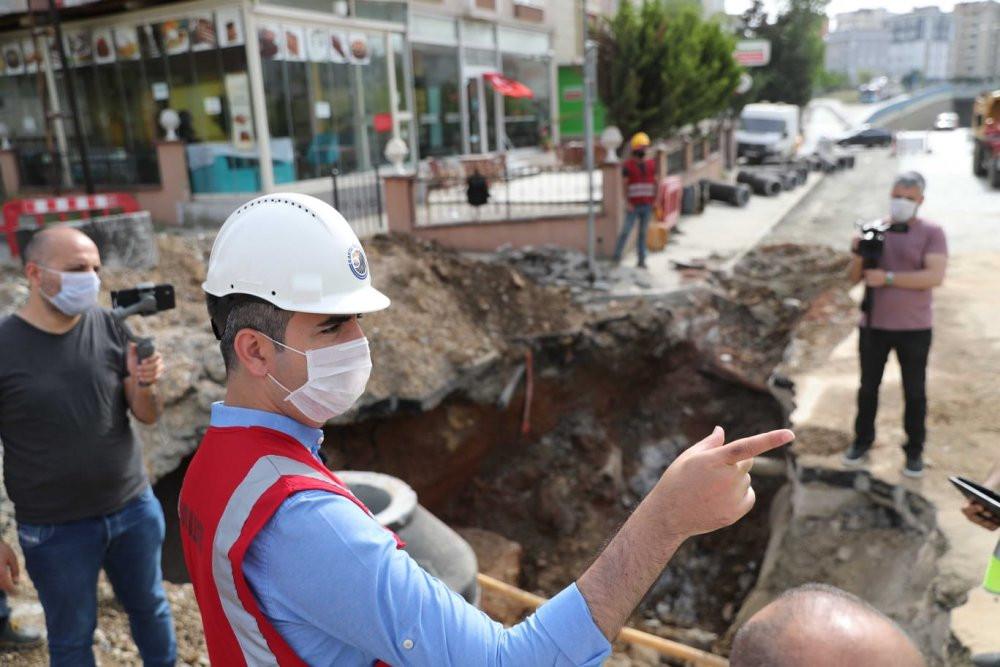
column 643, row 212
column 64, row 561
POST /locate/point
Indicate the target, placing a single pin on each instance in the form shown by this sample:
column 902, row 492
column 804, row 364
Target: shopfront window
column 327, row 92
column 526, row 119
column 436, row 96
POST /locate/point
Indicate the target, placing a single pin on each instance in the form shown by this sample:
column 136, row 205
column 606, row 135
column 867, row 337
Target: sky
column 843, row 6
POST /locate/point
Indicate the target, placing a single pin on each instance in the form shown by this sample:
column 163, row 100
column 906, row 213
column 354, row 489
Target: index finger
column 755, row 445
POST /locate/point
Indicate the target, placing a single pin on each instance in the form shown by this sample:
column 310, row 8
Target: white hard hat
column 295, row 252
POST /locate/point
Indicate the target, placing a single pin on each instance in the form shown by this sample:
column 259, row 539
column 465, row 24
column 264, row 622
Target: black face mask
column 639, row 154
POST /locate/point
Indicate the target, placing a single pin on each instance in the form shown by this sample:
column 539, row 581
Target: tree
column 797, row 50
column 660, row 67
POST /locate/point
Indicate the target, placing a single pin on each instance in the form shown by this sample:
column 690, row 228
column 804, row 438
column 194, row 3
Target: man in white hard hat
column 288, row 567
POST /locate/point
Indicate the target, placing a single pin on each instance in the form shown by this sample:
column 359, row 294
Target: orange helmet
column 639, row 140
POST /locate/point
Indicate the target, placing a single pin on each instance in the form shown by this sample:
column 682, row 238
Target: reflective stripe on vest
column 640, row 179
column 261, row 477
column 991, row 581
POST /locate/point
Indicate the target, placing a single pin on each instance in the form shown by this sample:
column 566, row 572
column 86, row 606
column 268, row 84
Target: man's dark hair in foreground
column 817, row 625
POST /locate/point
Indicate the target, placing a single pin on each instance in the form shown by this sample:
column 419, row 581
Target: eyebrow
column 333, row 320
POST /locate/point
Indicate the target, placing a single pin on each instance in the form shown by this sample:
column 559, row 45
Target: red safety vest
column 236, row 481
column 640, row 181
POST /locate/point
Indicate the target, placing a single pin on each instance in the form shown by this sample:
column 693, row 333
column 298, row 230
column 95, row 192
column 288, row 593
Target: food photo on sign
column 79, row 47
column 359, row 49
column 295, row 43
column 269, row 36
column 203, row 35
column 127, row 43
column 319, row 45
column 103, row 51
column 30, row 55
column 338, row 47
column 174, row 34
column 229, row 27
column 12, row 58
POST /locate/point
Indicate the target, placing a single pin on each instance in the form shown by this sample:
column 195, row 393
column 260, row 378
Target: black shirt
column 68, row 447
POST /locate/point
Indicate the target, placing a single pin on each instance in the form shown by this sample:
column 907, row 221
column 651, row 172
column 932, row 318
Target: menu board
column 238, row 96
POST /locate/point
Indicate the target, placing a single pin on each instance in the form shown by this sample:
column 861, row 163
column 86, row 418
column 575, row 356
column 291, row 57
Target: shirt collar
column 224, row 416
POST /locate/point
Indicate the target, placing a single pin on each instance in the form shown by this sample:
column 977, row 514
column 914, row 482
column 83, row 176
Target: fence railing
column 43, row 166
column 359, row 198
column 513, row 194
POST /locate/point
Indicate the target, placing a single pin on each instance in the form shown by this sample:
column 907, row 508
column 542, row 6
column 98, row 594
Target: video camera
column 144, row 299
column 872, row 241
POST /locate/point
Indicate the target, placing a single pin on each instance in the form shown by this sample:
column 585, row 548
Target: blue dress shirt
column 333, row 584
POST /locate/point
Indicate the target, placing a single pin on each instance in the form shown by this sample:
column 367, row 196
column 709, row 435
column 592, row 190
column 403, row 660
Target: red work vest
column 640, row 181
column 237, row 479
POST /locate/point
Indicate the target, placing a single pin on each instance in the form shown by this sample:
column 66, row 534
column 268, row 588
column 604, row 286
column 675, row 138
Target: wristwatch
column 890, row 277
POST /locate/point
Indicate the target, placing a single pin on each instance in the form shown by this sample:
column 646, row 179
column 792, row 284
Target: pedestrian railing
column 520, row 193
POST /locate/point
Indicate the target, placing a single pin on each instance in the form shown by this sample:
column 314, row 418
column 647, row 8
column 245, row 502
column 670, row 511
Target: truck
column 986, row 137
column 768, row 131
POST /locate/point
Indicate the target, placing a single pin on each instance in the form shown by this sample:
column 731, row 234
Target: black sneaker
column 855, row 455
column 914, row 467
column 18, row 639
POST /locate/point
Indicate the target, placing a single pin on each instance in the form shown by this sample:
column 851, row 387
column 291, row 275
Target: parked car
column 867, row 136
column 946, row 120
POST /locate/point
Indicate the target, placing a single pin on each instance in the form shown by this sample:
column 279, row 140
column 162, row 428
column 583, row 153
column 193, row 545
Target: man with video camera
column 72, row 465
column 901, row 260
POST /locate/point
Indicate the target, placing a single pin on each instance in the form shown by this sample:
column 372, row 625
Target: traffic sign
column 753, row 52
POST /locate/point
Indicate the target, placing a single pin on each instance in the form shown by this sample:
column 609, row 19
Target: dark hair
column 910, row 179
column 253, row 314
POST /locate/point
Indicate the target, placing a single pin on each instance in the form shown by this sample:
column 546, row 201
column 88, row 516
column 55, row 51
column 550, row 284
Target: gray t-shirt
column 68, row 447
column 900, row 308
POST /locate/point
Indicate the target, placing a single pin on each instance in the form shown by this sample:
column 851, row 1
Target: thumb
column 715, row 439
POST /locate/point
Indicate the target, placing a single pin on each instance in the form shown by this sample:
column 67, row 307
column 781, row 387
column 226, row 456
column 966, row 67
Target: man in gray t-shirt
column 898, row 317
column 72, row 465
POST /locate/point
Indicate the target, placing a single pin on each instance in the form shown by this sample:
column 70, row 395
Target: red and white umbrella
column 508, row 87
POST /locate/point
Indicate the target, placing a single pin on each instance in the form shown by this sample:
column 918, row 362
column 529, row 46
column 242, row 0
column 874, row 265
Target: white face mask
column 902, row 210
column 337, row 375
column 78, row 292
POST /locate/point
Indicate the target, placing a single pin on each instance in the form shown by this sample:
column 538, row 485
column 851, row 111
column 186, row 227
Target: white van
column 768, row 131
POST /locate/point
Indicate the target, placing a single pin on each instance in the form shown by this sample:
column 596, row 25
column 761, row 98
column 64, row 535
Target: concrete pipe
column 736, row 194
column 429, row 541
column 761, row 185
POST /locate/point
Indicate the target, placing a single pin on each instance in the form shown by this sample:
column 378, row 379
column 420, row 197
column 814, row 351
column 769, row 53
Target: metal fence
column 359, row 198
column 43, row 166
column 521, row 193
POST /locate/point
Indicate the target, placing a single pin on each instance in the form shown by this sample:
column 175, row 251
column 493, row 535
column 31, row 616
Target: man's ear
column 33, row 273
column 254, row 351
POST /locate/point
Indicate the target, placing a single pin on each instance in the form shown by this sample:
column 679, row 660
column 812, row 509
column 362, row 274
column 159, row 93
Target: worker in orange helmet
column 640, row 193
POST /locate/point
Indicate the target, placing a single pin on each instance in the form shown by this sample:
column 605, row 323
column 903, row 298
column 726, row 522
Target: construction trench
column 531, row 412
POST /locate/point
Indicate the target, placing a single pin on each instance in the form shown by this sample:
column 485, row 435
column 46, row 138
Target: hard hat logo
column 357, row 261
